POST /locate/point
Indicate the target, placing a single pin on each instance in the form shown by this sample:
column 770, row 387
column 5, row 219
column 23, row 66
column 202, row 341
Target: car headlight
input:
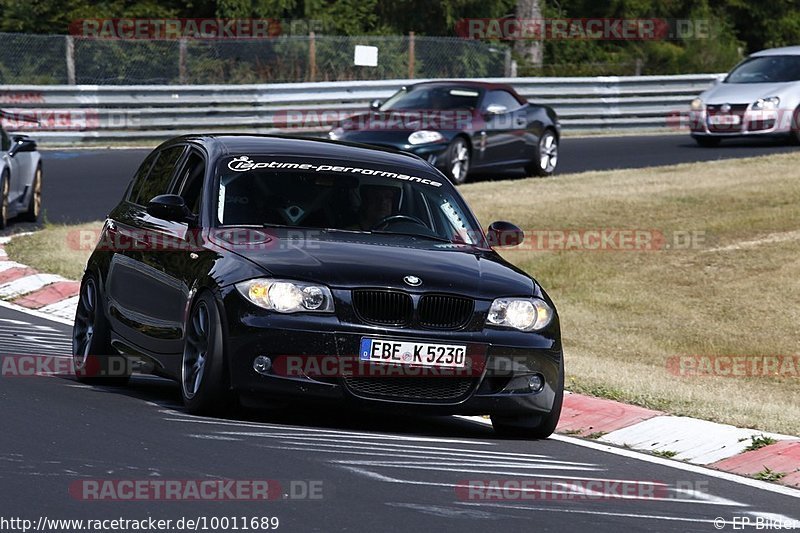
column 286, row 296
column 697, row 105
column 524, row 314
column 336, row 134
column 424, row 137
column 767, row 103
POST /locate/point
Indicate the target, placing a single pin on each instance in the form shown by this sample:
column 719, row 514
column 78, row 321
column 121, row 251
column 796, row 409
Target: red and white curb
column 681, row 438
column 48, row 294
column 690, row 440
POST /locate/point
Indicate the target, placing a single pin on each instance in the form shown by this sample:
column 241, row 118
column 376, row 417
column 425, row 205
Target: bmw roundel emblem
column 414, row 281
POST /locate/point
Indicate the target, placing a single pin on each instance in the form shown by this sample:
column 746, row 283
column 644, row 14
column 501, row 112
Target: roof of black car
column 251, row 144
column 488, row 85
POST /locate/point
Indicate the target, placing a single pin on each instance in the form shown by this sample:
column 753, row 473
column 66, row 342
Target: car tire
column 534, row 426
column 546, row 155
column 204, row 383
column 93, row 358
column 5, row 187
column 706, row 142
column 458, row 159
column 35, row 203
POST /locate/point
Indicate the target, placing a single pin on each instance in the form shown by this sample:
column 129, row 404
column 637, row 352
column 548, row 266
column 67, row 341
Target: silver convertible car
column 20, row 176
column 759, row 97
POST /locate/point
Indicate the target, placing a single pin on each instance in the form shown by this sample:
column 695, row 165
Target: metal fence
column 62, row 59
column 104, row 113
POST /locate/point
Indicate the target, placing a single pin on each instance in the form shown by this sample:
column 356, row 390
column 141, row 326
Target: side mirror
column 504, row 235
column 376, row 104
column 495, row 109
column 21, row 144
column 170, row 207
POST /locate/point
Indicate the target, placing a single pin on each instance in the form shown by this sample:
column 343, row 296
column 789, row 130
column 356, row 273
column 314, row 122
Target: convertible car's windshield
column 303, row 194
column 433, row 97
column 766, row 69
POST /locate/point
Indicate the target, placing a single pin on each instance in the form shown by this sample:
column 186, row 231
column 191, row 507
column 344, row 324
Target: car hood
column 358, row 260
column 745, row 93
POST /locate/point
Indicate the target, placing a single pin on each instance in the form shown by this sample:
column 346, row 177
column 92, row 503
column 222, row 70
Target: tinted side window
column 141, row 175
column 502, row 98
column 189, row 183
column 157, row 182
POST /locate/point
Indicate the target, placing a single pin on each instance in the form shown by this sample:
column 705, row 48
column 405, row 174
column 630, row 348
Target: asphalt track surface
column 84, row 185
column 370, row 472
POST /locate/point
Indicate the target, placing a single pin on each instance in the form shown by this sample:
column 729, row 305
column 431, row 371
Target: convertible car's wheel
column 5, row 186
column 35, row 203
column 93, row 358
column 546, row 155
column 204, row 386
column 458, row 161
column 534, row 426
column 705, row 141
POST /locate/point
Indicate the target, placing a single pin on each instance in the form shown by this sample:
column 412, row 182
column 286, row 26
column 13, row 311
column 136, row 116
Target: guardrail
column 72, row 114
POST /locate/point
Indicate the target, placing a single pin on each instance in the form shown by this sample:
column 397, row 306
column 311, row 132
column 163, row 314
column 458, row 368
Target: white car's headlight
column 424, row 137
column 766, row 103
column 336, row 134
column 697, row 105
column 524, row 314
column 286, row 296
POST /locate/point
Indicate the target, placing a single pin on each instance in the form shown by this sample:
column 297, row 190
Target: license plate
column 412, row 353
column 724, row 120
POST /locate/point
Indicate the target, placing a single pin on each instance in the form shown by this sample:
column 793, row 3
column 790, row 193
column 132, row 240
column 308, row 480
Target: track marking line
column 387, row 479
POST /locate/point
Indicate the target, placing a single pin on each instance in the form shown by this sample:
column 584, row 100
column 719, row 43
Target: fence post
column 312, row 57
column 182, row 46
column 411, row 55
column 70, row 57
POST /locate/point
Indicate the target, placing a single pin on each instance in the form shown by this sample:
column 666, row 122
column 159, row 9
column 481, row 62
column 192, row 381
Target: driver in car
column 377, row 203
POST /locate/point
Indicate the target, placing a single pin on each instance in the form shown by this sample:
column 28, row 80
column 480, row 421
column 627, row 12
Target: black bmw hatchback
column 259, row 268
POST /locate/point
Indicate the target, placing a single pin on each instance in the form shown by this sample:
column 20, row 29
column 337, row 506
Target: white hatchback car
column 759, row 97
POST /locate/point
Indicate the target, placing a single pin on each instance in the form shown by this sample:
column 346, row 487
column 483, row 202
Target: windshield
column 766, row 69
column 433, row 97
column 326, row 195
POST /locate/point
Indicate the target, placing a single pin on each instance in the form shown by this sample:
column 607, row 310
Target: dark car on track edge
column 461, row 127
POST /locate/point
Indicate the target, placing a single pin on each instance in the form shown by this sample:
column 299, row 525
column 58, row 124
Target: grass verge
column 55, row 249
column 626, row 315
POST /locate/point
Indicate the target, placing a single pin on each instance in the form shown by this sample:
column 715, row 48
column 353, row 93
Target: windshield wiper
column 409, row 234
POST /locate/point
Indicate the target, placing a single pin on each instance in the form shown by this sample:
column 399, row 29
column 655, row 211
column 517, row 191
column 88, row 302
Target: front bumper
column 748, row 123
column 328, row 347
